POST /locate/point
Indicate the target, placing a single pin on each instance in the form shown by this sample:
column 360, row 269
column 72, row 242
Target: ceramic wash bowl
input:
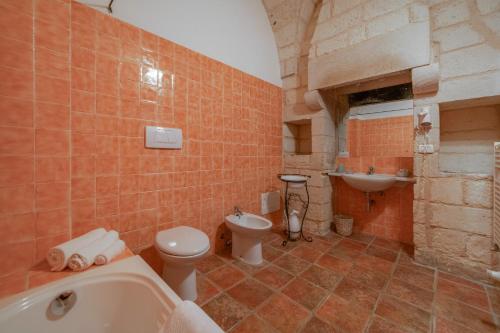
column 374, row 182
column 294, row 181
column 369, row 183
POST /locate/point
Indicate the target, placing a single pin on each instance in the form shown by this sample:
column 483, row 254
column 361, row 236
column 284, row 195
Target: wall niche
column 297, row 137
column 467, row 134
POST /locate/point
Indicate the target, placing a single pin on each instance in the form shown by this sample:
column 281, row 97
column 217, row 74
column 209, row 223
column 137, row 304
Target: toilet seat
column 182, row 241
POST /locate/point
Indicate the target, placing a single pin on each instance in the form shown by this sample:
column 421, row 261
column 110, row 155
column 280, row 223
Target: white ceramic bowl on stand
column 294, row 181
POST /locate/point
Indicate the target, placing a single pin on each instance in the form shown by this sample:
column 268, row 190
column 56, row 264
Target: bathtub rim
column 127, row 269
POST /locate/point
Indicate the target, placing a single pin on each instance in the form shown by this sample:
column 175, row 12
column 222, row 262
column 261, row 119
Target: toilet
column 248, row 230
column 180, row 248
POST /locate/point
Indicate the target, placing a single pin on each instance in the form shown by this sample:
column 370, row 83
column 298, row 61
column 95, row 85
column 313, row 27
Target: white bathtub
column 123, row 297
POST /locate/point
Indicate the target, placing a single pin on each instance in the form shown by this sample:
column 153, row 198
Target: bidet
column 248, row 230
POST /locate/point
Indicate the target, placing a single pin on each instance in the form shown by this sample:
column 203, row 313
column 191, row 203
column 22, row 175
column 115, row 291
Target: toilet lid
column 182, row 241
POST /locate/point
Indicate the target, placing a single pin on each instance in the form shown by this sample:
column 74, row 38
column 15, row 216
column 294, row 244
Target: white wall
column 235, row 32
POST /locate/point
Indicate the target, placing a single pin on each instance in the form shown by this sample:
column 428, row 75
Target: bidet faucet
column 371, row 170
column 237, row 211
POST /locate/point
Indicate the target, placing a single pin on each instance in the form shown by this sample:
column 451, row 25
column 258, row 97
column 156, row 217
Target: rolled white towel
column 58, row 256
column 84, row 257
column 188, row 317
column 105, row 257
column 495, row 275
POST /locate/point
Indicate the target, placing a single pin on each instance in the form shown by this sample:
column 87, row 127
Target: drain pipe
column 495, row 275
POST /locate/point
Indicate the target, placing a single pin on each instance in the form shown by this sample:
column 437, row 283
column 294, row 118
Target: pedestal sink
column 369, row 183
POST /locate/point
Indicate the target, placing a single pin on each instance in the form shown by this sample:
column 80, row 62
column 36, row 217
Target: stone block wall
column 294, row 22
column 452, row 222
column 452, row 211
column 359, row 40
column 343, row 23
column 453, row 194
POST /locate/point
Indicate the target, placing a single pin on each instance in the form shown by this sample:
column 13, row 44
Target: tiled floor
column 335, row 284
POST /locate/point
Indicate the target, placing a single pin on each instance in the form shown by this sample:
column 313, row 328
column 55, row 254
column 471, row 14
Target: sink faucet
column 237, row 211
column 371, row 170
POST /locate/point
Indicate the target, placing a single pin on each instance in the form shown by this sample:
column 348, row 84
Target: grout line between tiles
column 33, row 114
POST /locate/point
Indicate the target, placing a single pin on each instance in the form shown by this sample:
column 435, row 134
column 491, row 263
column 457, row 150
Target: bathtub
column 126, row 296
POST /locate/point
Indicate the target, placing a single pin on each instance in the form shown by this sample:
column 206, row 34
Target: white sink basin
column 369, row 183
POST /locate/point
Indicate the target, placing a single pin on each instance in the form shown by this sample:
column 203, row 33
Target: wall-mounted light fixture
column 424, row 126
column 425, row 120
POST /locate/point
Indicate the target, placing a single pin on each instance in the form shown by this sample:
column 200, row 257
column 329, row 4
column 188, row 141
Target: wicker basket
column 343, row 225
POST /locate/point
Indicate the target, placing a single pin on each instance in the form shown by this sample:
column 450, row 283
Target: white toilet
column 248, row 230
column 180, row 248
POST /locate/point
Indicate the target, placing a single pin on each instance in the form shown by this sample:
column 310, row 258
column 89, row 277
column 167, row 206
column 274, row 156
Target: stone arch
column 293, row 23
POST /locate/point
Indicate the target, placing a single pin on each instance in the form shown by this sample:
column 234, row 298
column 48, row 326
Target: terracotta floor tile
column 356, row 293
column 406, row 256
column 209, row 263
column 226, row 276
column 459, row 280
column 348, row 275
column 305, row 293
column 494, row 295
column 377, row 264
column 273, row 276
column 319, row 245
column 283, row 314
column 270, row 253
column 449, row 326
column 331, row 238
column 253, row 324
column 292, row 264
column 472, row 297
column 463, row 314
column 388, row 244
column 370, row 278
column 419, row 297
column 362, row 238
column 278, row 244
column 347, row 249
column 315, row 325
column 335, row 264
column 306, row 253
column 379, row 325
column 272, row 236
column 250, row 293
column 418, row 268
column 225, row 311
column 206, row 290
column 403, row 314
column 415, row 275
column 322, row 277
column 346, row 316
column 249, row 269
column 225, row 254
column 382, row 253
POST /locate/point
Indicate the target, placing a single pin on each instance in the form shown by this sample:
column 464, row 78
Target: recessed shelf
column 297, row 137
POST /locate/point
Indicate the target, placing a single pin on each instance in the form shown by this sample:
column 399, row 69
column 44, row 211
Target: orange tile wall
column 77, row 89
column 384, row 137
column 387, row 145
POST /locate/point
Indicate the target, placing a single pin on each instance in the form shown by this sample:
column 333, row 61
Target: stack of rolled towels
column 95, row 247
